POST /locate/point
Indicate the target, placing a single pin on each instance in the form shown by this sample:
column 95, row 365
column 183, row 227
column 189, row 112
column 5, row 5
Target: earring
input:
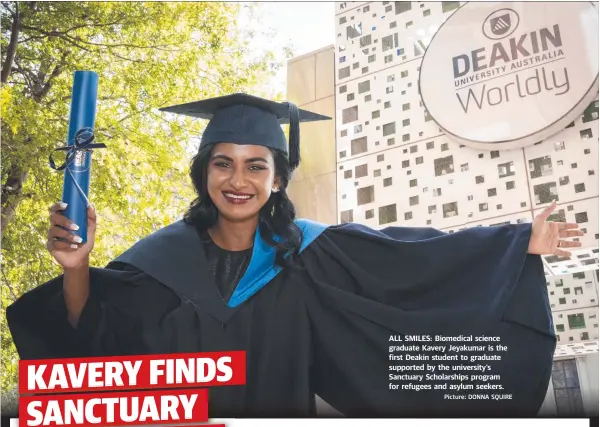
column 276, row 190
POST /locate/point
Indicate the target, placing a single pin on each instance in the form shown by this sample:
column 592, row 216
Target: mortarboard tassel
column 294, row 137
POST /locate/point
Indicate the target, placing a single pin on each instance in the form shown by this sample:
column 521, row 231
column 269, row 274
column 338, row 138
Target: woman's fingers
column 61, row 234
column 570, row 233
column 568, row 244
column 56, row 218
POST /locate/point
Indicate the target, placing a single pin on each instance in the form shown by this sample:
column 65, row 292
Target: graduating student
column 317, row 308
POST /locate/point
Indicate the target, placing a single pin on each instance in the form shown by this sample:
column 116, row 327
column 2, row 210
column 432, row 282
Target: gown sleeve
column 368, row 289
column 123, row 305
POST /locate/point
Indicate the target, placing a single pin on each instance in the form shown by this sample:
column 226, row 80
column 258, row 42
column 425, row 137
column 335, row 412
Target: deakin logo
column 502, row 23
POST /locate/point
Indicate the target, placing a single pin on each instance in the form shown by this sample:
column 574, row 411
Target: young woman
column 318, row 309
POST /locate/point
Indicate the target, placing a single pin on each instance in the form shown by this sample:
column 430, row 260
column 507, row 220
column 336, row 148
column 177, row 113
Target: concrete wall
column 311, row 86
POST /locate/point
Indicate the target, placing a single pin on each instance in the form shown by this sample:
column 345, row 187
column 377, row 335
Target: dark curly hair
column 276, row 217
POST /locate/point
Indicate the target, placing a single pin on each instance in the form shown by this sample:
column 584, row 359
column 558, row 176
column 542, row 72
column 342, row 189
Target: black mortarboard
column 246, row 119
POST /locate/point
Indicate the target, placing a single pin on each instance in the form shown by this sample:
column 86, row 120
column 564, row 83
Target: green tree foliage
column 147, row 55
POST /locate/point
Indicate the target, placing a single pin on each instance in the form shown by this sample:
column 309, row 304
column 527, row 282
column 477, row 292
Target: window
column 413, row 200
column 450, row 209
column 405, row 122
column 403, row 74
column 358, row 146
column 562, row 300
column 406, row 107
column 426, row 12
column 346, row 216
column 566, row 291
column 350, row 115
column 387, row 42
column 387, row 182
column 412, row 183
column 560, row 328
column 387, row 104
column 350, row 97
column 579, row 188
column 389, row 128
column 585, row 134
column 494, row 154
column 586, row 151
column 479, row 179
column 444, row 147
column 419, row 160
column 483, row 207
column 541, row 166
column 380, row 158
column 579, row 276
column 581, row 218
column 437, row 192
column 360, row 171
column 409, row 24
column 430, row 145
column 444, row 165
column 506, row 169
column 364, row 86
column 365, row 70
column 377, row 173
column 342, row 154
column 563, row 180
column 491, row 192
column 447, row 6
column 432, row 209
column 353, row 31
column 357, row 129
column 578, row 290
column 591, row 112
column 510, row 185
column 393, row 25
column 387, row 214
column 408, row 216
column 369, row 214
column 388, row 58
column 389, row 89
column 367, row 98
column 402, row 6
column 365, row 195
column 343, row 89
column 405, row 163
column 348, row 174
column 406, row 137
column 576, row 321
column 559, row 146
column 365, row 41
column 344, row 73
column 372, row 58
column 388, row 9
column 567, row 390
column 545, row 193
column 375, row 114
column 391, row 141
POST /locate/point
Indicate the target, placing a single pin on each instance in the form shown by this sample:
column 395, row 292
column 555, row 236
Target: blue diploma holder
column 77, row 172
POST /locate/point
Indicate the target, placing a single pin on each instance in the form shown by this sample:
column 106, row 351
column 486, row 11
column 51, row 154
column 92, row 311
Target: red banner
column 106, row 409
column 132, row 372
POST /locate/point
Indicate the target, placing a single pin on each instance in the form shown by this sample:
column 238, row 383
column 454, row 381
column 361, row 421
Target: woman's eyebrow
column 229, row 159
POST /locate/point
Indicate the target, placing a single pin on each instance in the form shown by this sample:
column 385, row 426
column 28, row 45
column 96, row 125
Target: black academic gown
column 323, row 326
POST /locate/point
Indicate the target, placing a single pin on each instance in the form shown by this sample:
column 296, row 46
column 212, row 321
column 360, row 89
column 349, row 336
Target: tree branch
column 11, row 50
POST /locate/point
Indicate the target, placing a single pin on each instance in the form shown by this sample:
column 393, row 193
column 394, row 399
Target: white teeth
column 234, row 196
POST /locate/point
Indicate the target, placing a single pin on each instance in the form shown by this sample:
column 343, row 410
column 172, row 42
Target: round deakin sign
column 503, row 75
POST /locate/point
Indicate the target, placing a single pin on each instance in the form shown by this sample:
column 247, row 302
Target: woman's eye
column 222, row 165
column 256, row 168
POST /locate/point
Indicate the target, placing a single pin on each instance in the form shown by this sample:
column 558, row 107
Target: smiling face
column 240, row 180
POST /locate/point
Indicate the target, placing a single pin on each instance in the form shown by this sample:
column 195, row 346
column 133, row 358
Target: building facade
column 395, row 167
